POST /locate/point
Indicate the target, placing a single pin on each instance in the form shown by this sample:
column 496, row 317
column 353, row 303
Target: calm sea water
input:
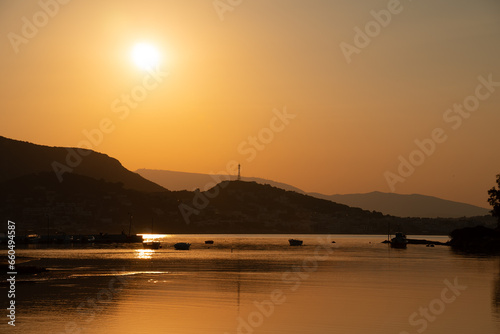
column 258, row 284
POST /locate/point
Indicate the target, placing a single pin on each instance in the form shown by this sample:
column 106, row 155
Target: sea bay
column 258, row 284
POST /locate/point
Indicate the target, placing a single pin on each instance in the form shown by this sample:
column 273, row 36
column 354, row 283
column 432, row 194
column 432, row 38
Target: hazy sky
column 360, row 81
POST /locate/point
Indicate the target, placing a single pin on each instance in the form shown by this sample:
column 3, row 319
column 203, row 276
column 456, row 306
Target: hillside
column 190, row 181
column 249, row 207
column 81, row 204
column 100, row 195
column 23, row 158
column 386, row 203
column 407, row 205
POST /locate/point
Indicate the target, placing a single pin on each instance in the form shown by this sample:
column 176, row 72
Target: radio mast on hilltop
column 239, row 176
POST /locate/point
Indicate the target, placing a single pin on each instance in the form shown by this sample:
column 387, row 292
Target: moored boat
column 399, row 241
column 33, row 238
column 182, row 246
column 151, row 244
column 295, row 242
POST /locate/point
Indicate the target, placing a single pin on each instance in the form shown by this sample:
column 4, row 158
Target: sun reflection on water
column 144, row 253
column 153, row 237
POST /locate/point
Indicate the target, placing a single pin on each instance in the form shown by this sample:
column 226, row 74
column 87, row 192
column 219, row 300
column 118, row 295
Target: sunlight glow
column 145, row 56
column 151, row 237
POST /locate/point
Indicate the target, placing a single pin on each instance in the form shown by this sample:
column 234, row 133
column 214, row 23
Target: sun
column 145, row 56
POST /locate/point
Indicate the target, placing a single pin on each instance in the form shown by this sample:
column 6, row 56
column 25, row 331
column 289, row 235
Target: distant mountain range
column 386, row 203
column 83, row 205
column 97, row 194
column 407, row 205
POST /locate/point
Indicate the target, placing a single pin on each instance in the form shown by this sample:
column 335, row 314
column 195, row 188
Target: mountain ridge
column 407, row 205
column 402, row 205
column 26, row 158
column 83, row 205
column 101, row 195
column 177, row 180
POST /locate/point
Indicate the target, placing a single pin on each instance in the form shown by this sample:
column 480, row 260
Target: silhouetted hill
column 249, row 207
column 190, row 181
column 85, row 205
column 407, row 205
column 387, row 203
column 81, row 204
column 100, row 195
column 23, row 158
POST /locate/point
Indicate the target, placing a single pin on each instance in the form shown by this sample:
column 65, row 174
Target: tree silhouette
column 494, row 200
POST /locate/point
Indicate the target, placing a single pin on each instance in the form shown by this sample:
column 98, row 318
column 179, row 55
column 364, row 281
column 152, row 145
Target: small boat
column 295, row 242
column 182, row 246
column 399, row 241
column 34, row 238
column 151, row 244
column 209, row 242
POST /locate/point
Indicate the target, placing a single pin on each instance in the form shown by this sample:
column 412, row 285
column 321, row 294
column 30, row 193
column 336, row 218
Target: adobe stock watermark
column 454, row 117
column 122, row 107
column 222, row 6
column 30, row 26
column 249, row 148
column 373, row 28
column 266, row 308
column 425, row 315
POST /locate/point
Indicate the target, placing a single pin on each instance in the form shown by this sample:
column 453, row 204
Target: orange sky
column 66, row 68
